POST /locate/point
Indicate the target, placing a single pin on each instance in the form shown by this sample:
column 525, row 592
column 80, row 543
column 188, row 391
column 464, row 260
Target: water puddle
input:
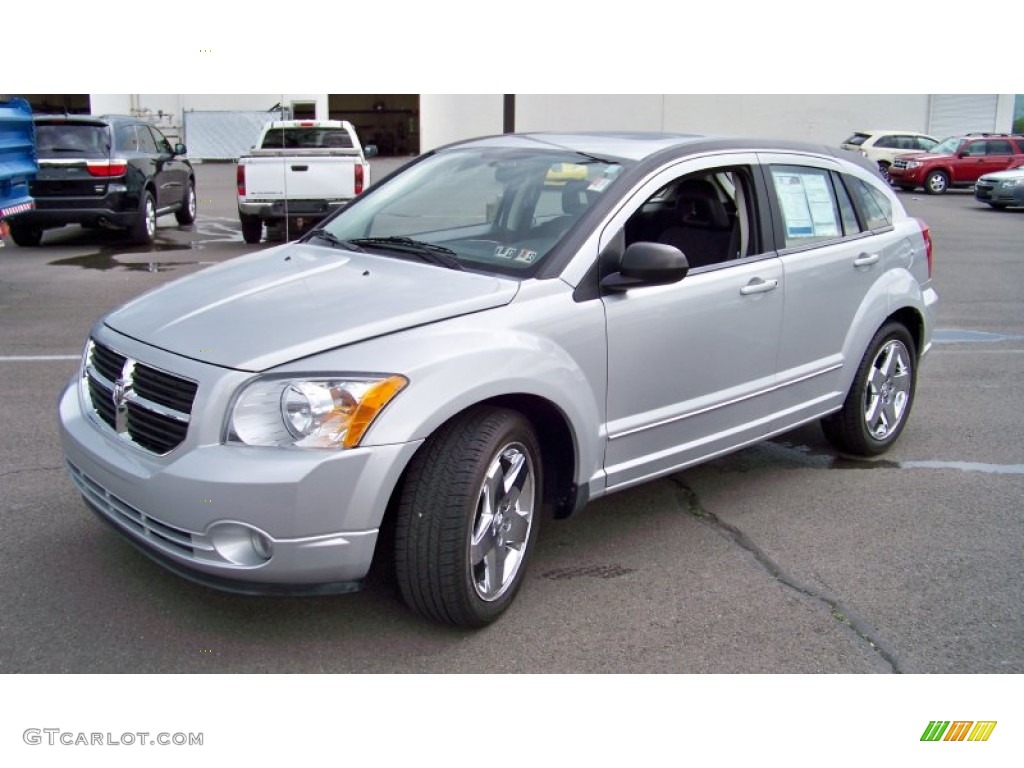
column 784, row 455
column 106, row 260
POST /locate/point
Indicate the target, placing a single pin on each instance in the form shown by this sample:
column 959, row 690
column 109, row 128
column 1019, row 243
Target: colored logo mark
column 958, row 730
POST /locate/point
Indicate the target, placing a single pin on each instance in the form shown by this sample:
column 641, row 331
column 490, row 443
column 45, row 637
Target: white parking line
column 23, row 358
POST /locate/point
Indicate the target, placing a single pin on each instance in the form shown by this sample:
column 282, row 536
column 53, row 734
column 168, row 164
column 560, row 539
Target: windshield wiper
column 435, row 254
column 333, row 239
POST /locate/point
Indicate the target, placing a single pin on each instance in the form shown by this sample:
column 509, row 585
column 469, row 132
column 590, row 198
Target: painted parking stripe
column 24, row 358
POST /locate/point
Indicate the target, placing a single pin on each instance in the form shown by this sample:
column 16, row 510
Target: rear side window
column 874, row 206
column 70, row 140
column 307, row 138
column 807, row 205
column 1000, row 147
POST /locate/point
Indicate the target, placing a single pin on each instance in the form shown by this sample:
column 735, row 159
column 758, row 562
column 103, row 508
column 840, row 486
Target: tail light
column 359, row 177
column 107, row 168
column 926, row 233
column 240, row 179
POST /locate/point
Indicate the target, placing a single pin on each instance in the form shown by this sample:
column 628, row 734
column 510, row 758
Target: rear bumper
column 115, row 209
column 291, row 209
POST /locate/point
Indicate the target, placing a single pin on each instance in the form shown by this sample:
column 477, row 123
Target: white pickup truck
column 298, row 172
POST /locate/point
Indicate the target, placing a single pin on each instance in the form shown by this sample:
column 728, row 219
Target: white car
column 882, row 147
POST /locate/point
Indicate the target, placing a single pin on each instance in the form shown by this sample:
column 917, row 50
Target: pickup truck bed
column 300, row 171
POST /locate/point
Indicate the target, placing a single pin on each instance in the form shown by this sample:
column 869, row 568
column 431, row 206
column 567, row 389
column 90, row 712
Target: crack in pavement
column 29, row 469
column 690, row 503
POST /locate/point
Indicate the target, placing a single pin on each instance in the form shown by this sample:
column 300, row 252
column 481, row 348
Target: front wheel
column 878, row 404
column 883, row 168
column 998, row 206
column 468, row 517
column 936, row 183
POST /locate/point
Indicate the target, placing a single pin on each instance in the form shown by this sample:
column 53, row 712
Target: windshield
column 496, row 210
column 947, row 147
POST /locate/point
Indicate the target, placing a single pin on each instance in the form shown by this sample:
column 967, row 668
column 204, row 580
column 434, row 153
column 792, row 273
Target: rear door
column 830, row 259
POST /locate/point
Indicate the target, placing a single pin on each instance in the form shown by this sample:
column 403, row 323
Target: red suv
column 958, row 161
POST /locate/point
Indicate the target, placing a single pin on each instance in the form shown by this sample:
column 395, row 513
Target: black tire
column 883, row 168
column 879, row 401
column 187, row 213
column 453, row 562
column 252, row 228
column 26, row 236
column 998, row 206
column 936, row 183
column 143, row 230
column 907, row 187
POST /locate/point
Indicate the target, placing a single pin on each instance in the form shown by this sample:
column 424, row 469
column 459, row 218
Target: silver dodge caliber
column 504, row 329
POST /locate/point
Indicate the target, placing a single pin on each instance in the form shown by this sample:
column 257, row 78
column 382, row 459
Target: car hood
column 1016, row 173
column 289, row 302
column 920, row 156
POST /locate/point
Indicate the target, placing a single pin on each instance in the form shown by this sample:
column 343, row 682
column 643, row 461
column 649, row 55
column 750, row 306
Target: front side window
column 888, row 142
column 710, row 216
column 500, row 210
column 127, row 138
column 146, row 142
column 807, row 205
column 925, row 144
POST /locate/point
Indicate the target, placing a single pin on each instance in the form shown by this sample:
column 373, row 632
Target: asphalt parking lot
column 782, row 558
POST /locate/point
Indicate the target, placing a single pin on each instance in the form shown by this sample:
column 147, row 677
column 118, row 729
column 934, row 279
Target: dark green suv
column 110, row 171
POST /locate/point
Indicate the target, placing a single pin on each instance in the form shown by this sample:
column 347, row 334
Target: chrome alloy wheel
column 150, row 215
column 503, row 520
column 887, row 393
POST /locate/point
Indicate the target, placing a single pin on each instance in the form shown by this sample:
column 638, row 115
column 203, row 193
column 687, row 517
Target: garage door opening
column 391, row 121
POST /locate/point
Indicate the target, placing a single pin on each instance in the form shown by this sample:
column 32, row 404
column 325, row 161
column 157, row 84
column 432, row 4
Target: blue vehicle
column 18, row 160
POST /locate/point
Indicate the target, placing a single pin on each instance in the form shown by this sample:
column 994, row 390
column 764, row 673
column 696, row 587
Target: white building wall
column 445, row 118
column 823, row 118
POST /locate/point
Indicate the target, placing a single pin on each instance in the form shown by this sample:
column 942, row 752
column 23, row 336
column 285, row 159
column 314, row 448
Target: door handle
column 757, row 285
column 866, row 260
column 300, row 167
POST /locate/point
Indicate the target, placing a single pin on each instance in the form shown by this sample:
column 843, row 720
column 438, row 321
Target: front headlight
column 310, row 413
column 913, row 164
column 1012, row 183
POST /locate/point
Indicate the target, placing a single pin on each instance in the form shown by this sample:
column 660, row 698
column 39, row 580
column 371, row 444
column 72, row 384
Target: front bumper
column 906, row 176
column 995, row 192
column 316, row 512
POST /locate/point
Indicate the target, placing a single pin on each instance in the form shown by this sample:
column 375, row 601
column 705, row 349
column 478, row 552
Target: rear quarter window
column 874, row 206
column 858, row 139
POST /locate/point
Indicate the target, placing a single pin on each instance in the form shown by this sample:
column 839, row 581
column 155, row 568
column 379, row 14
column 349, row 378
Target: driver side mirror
column 370, row 150
column 179, row 149
column 647, row 264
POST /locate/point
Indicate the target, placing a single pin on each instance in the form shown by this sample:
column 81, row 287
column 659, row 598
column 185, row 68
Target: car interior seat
column 703, row 230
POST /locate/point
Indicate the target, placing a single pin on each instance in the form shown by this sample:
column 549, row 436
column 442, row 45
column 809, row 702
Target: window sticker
column 505, row 252
column 806, row 204
column 600, row 184
column 526, row 256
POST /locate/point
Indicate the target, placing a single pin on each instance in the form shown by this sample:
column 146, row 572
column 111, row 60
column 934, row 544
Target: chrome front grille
column 143, row 405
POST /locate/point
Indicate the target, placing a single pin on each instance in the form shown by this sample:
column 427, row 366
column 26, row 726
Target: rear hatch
column 304, row 162
column 74, row 160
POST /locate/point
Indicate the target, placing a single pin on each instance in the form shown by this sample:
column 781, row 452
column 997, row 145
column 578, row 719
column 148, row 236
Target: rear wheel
column 252, row 228
column 468, row 517
column 187, row 213
column 998, row 206
column 26, row 236
column 143, row 230
column 878, row 404
column 936, row 183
